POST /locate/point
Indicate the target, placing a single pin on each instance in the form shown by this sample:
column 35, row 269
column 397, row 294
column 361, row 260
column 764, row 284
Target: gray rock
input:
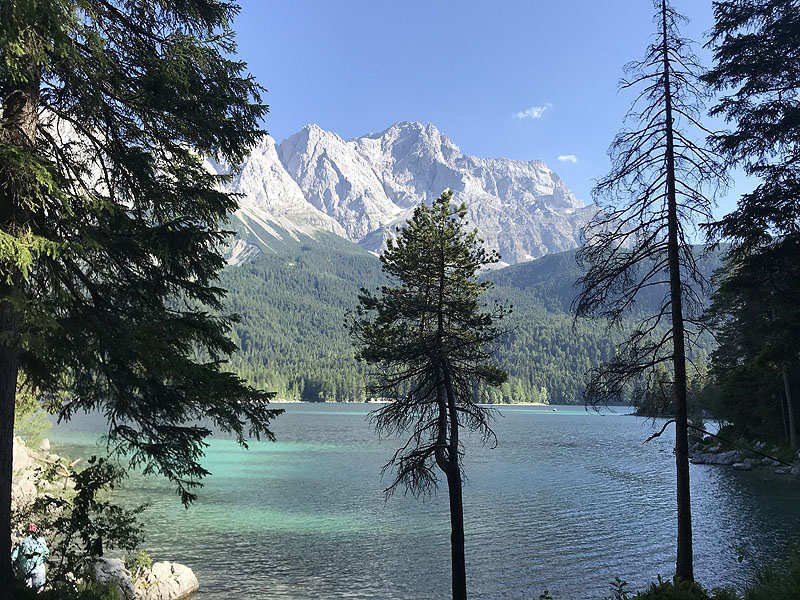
column 724, row 458
column 167, row 581
column 163, row 581
column 112, row 571
column 23, row 458
column 795, row 470
column 23, row 492
column 44, row 446
column 728, row 458
column 770, row 462
column 714, row 449
column 780, row 471
column 742, row 466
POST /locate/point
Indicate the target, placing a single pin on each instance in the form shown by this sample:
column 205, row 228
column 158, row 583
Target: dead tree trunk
column 684, row 569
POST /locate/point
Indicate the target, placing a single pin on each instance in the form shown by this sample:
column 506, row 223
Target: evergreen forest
column 293, row 339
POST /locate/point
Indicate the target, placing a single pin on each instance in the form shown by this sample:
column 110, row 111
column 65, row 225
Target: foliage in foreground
column 75, row 517
column 778, row 581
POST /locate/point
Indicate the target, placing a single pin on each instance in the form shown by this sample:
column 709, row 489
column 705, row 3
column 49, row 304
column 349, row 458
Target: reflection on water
column 566, row 502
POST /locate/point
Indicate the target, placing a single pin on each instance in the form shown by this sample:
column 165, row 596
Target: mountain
column 360, row 189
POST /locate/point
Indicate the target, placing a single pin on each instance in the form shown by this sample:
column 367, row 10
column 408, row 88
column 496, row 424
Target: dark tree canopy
column 431, row 339
column 110, row 223
column 756, row 48
column 660, row 187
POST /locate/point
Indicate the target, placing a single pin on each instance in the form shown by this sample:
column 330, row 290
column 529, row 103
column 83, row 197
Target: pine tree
column 758, row 68
column 110, row 225
column 637, row 245
column 431, row 338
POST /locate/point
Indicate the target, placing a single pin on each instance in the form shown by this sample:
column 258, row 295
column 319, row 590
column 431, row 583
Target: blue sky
column 515, row 79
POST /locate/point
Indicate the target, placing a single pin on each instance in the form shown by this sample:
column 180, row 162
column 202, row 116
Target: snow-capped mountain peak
column 362, row 187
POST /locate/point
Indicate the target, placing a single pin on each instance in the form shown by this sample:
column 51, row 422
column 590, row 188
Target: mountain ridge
column 361, row 189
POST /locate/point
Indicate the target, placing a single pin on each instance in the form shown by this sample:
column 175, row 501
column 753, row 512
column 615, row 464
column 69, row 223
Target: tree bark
column 454, row 489
column 459, row 569
column 9, row 365
column 683, row 566
column 784, row 416
column 787, row 386
column 19, row 124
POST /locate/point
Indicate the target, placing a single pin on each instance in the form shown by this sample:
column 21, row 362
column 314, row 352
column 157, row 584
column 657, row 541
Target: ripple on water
column 567, row 501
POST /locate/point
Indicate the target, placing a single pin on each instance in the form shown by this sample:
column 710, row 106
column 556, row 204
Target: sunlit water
column 567, row 501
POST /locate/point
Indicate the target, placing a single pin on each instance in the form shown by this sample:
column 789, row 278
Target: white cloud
column 534, row 112
column 568, row 158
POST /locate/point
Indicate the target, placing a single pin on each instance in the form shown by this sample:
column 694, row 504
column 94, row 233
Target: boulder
column 23, row 458
column 167, row 581
column 724, row 458
column 780, row 471
column 112, row 571
column 770, row 462
column 163, row 581
column 698, row 458
column 23, row 491
column 728, row 458
column 714, row 449
column 795, row 470
column 742, row 466
column 44, row 446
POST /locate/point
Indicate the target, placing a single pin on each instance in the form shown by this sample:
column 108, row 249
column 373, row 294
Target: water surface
column 567, row 501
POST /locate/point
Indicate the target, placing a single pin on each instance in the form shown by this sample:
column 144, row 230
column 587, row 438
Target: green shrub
column 681, row 590
column 778, row 582
column 30, row 419
column 139, row 560
column 619, row 590
column 91, row 590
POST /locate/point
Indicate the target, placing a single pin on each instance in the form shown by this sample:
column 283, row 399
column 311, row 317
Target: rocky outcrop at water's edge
column 162, row 581
column 709, row 452
column 32, row 478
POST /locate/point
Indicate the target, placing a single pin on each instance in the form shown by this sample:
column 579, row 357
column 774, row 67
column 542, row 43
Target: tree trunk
column 454, row 489
column 683, row 565
column 459, row 569
column 9, row 364
column 784, row 416
column 790, row 412
column 20, row 121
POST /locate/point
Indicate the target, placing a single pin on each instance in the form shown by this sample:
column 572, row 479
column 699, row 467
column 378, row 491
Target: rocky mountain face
column 362, row 188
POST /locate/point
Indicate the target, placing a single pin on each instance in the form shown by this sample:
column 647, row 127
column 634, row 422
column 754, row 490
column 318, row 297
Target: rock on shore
column 710, row 453
column 163, row 581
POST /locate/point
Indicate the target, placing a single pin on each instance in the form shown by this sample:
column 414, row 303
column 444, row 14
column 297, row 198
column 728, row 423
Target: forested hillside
column 294, row 341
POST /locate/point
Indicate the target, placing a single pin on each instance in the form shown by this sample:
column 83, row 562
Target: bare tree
column 638, row 246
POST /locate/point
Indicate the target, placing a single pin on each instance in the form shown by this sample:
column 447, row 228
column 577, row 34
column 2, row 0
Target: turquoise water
column 567, row 501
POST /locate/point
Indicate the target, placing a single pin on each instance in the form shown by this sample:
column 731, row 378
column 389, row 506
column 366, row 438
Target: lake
column 566, row 502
